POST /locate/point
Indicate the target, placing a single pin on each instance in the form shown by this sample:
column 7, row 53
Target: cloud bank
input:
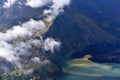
column 23, row 30
column 12, row 44
column 37, row 3
column 18, row 40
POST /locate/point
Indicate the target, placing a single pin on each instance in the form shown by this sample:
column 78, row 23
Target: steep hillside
column 78, row 28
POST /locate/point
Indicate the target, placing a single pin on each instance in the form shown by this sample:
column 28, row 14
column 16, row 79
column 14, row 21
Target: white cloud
column 57, row 4
column 23, row 30
column 55, row 9
column 11, row 51
column 6, row 51
column 37, row 3
column 8, row 3
column 36, row 59
column 50, row 45
column 35, row 42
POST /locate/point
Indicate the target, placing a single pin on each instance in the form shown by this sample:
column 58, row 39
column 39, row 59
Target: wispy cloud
column 56, row 8
column 8, row 3
column 37, row 3
column 53, row 11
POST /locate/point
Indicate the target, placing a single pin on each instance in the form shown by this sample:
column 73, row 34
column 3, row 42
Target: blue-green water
column 84, row 69
column 78, row 77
